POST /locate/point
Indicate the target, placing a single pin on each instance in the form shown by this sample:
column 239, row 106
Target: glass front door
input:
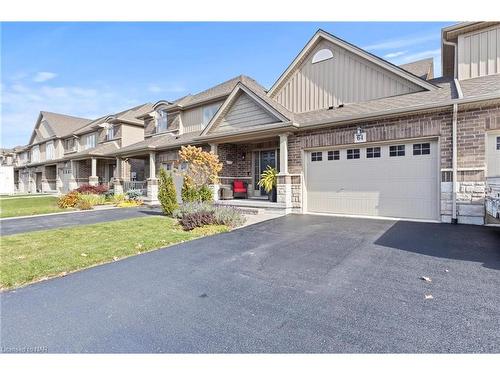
column 263, row 159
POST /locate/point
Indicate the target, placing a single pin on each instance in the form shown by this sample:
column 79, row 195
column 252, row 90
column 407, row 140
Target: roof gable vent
column 322, row 55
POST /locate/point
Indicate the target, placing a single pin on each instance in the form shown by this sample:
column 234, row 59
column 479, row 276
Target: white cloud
column 394, row 54
column 22, row 101
column 434, row 53
column 44, row 76
column 406, row 41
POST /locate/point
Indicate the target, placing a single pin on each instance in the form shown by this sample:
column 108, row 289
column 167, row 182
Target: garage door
column 394, row 180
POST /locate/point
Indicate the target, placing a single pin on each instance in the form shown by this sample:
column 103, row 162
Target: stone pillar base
column 152, row 192
column 45, row 186
column 72, row 184
column 215, row 191
column 93, row 180
column 284, row 191
column 117, row 186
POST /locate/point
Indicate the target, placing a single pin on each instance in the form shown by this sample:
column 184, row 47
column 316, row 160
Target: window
column 110, row 133
column 316, row 156
column 498, row 143
column 334, row 155
column 35, row 154
column 398, row 150
column 421, row 149
column 353, row 153
column 161, row 121
column 69, row 144
column 322, row 55
column 89, row 141
column 23, row 157
column 372, row 152
column 209, row 112
column 49, row 151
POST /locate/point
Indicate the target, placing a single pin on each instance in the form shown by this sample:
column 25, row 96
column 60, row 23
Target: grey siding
column 243, row 113
column 346, row 78
column 192, row 119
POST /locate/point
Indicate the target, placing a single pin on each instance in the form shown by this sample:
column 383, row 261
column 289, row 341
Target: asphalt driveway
column 30, row 224
column 294, row 284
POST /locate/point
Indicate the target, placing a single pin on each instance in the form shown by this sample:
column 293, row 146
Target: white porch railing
column 135, row 185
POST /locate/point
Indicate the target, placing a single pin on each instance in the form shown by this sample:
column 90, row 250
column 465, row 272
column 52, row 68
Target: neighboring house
column 7, row 185
column 349, row 132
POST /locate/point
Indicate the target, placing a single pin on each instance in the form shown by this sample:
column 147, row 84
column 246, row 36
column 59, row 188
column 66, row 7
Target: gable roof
column 323, row 35
column 219, row 91
column 59, row 125
column 129, row 116
column 257, row 94
column 421, row 68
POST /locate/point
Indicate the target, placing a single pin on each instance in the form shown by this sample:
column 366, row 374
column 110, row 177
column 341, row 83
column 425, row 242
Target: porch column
column 59, row 181
column 215, row 187
column 283, row 154
column 93, row 178
column 45, row 182
column 72, row 184
column 117, row 178
column 284, row 183
column 152, row 182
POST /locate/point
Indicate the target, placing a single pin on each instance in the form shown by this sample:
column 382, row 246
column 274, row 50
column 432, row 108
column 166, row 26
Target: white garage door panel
column 402, row 186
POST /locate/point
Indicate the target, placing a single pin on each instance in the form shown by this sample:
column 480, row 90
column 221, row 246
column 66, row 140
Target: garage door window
column 334, row 155
column 373, row 152
column 353, row 153
column 316, row 156
column 421, row 149
column 398, row 150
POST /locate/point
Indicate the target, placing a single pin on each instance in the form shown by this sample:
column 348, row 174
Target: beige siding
column 192, row 119
column 479, row 53
column 346, row 78
column 243, row 113
column 131, row 134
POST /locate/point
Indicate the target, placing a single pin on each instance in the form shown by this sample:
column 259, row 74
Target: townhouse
column 349, row 133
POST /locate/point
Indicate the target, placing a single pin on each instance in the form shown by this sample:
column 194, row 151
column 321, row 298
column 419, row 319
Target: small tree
column 167, row 194
column 189, row 192
column 203, row 167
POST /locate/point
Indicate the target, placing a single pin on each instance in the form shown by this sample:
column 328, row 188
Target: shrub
column 197, row 219
column 203, row 167
column 205, row 194
column 118, row 198
column 91, row 189
column 189, row 192
column 167, row 195
column 92, row 199
column 84, row 205
column 196, row 214
column 191, row 207
column 69, row 200
column 134, row 194
column 232, row 217
column 129, row 203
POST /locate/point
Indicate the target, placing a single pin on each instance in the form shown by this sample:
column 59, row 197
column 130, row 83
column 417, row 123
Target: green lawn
column 35, row 256
column 10, row 207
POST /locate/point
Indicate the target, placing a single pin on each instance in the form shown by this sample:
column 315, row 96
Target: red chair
column 240, row 189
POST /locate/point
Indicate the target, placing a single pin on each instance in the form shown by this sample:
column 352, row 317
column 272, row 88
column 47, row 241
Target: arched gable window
column 322, row 55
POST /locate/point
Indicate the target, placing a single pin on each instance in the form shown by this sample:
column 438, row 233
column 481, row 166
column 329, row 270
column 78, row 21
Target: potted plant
column 268, row 181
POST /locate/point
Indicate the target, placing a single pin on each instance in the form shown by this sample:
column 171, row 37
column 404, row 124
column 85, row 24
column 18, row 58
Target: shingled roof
column 421, row 68
column 63, row 125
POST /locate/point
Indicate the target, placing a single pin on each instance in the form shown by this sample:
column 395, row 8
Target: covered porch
column 244, row 160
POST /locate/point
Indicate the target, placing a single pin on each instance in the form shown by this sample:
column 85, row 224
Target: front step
column 253, row 206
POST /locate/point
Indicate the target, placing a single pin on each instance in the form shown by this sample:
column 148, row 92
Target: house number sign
column 359, row 136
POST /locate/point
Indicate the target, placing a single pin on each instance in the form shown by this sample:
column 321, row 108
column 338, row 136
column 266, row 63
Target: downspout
column 455, row 153
column 454, row 160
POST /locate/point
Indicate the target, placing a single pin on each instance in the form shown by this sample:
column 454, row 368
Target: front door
column 263, row 159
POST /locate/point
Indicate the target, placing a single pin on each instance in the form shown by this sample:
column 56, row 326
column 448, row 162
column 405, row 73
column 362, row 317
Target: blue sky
column 93, row 69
